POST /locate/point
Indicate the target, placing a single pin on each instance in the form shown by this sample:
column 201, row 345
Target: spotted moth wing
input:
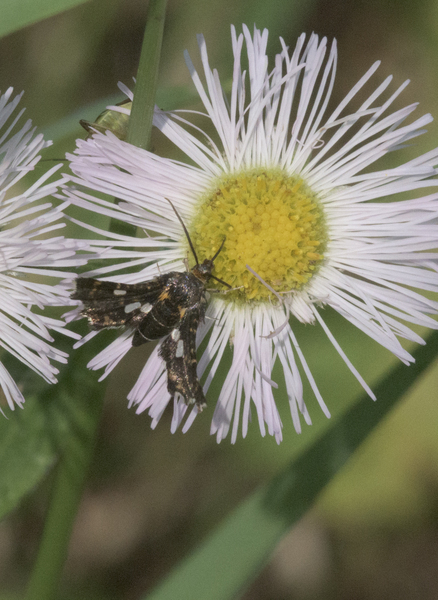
column 179, row 353
column 109, row 304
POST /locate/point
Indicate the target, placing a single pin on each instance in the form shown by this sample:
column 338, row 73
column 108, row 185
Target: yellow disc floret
column 272, row 222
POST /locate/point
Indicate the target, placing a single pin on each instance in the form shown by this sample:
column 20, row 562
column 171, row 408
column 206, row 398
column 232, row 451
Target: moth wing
column 111, row 304
column 179, row 352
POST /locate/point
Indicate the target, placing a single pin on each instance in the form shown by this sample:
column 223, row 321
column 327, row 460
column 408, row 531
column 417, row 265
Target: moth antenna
column 215, row 256
column 221, row 281
column 187, row 234
column 213, row 259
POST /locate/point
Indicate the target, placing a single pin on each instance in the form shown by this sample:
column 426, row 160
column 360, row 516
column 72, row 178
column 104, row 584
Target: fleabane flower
column 286, row 183
column 30, row 253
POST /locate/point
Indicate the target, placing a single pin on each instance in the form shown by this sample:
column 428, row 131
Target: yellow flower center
column 271, row 222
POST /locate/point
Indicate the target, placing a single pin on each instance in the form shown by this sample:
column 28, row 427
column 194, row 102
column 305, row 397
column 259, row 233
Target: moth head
column 203, row 271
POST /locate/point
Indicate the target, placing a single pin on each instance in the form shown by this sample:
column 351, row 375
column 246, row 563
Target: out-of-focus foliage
column 16, row 14
column 153, row 496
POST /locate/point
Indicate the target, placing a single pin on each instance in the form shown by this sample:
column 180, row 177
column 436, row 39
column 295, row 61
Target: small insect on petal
column 170, row 306
column 110, row 120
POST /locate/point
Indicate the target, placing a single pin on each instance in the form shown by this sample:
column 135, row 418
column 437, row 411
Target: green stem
column 69, row 481
column 140, row 121
column 142, row 111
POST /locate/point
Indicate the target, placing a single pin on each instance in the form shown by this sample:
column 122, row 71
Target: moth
column 170, row 306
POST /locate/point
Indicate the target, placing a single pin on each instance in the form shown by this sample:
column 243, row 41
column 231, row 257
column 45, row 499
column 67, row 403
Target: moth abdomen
column 163, row 316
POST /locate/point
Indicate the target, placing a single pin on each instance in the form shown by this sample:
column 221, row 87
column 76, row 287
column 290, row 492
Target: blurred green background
column 153, row 496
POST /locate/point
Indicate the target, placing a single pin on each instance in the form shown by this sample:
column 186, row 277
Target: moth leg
column 216, row 291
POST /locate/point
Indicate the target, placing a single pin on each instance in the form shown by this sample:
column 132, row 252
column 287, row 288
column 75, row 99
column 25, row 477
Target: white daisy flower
column 29, row 253
column 286, row 182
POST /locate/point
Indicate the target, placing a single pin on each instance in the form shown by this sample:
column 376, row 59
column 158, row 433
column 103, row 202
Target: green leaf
column 26, row 453
column 234, row 554
column 16, row 14
column 53, row 418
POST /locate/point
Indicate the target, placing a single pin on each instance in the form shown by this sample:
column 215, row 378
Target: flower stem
column 142, row 111
column 140, row 121
column 73, row 415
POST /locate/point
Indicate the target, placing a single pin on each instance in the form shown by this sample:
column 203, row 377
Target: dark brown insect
column 170, row 306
